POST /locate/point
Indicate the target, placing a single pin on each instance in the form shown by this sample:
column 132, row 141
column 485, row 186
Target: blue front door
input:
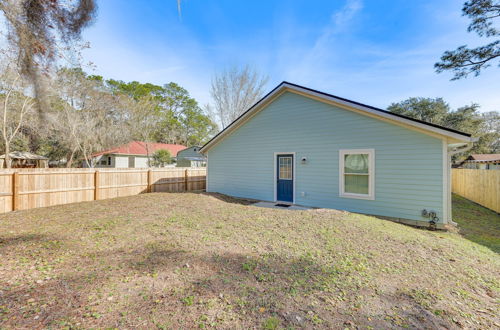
column 284, row 178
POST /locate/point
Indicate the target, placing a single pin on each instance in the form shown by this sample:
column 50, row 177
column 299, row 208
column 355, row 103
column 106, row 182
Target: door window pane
column 285, row 168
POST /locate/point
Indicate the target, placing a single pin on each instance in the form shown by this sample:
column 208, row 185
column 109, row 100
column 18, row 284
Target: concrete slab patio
column 281, row 206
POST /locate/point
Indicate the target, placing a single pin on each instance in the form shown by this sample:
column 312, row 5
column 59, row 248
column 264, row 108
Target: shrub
column 161, row 158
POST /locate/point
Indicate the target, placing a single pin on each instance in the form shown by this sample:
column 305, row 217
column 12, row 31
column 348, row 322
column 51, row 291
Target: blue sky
column 376, row 52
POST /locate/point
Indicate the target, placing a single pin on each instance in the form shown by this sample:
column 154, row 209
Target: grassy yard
column 477, row 223
column 195, row 260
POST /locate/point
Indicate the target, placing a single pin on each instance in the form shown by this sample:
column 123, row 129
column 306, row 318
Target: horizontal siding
column 408, row 164
column 189, row 152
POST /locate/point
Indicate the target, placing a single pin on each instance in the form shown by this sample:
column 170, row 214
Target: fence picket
column 480, row 186
column 30, row 188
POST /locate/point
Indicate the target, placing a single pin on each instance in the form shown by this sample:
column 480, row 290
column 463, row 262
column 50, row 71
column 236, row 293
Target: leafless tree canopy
column 38, row 29
column 15, row 106
column 87, row 118
column 234, row 91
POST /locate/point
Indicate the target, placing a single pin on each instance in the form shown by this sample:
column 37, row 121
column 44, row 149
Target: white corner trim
column 371, row 173
column 206, row 176
column 275, row 173
column 446, row 191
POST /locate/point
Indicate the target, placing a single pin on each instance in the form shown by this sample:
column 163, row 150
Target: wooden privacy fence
column 22, row 189
column 480, row 186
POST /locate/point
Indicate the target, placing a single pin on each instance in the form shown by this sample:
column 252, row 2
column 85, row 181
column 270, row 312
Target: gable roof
column 484, row 157
column 195, row 148
column 140, row 148
column 343, row 103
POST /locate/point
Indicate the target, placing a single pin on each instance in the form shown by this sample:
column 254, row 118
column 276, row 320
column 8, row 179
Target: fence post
column 186, row 180
column 15, row 191
column 150, row 181
column 96, row 185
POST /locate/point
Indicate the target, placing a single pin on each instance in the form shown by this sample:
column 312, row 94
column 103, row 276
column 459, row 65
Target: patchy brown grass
column 195, row 260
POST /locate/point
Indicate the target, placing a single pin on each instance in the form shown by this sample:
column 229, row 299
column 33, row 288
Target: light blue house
column 305, row 147
column 191, row 157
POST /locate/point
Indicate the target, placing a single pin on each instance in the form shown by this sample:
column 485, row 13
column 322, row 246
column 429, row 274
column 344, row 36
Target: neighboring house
column 132, row 155
column 482, row 162
column 301, row 146
column 24, row 159
column 191, row 157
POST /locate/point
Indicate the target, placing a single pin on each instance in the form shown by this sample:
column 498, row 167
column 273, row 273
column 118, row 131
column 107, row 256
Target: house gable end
column 395, row 119
column 286, row 106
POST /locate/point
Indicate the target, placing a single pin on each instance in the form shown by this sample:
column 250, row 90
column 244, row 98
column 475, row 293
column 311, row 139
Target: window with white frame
column 357, row 173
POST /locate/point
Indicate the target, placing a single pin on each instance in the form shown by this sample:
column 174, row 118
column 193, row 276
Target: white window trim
column 371, row 173
column 276, row 177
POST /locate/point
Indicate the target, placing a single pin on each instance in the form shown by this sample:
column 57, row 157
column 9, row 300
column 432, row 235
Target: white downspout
column 452, row 152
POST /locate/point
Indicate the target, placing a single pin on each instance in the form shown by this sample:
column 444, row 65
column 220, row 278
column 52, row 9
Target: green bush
column 161, row 158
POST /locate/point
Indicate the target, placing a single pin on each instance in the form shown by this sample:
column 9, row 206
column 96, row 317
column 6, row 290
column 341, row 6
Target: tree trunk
column 147, row 153
column 8, row 161
column 69, row 161
column 90, row 163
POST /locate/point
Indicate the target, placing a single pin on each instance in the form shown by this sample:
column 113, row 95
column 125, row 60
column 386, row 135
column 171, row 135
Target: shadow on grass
column 11, row 241
column 477, row 223
column 158, row 285
column 232, row 200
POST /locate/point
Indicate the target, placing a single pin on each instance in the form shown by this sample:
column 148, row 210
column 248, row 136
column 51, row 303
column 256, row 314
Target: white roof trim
column 327, row 98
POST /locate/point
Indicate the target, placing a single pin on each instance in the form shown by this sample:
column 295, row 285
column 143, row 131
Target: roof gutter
column 462, row 148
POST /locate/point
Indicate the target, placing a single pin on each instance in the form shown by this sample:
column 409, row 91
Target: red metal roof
column 139, row 148
column 484, row 157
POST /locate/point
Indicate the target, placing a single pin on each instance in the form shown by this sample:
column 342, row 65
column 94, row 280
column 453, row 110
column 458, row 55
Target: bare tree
column 234, row 91
column 15, row 105
column 89, row 118
column 142, row 119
